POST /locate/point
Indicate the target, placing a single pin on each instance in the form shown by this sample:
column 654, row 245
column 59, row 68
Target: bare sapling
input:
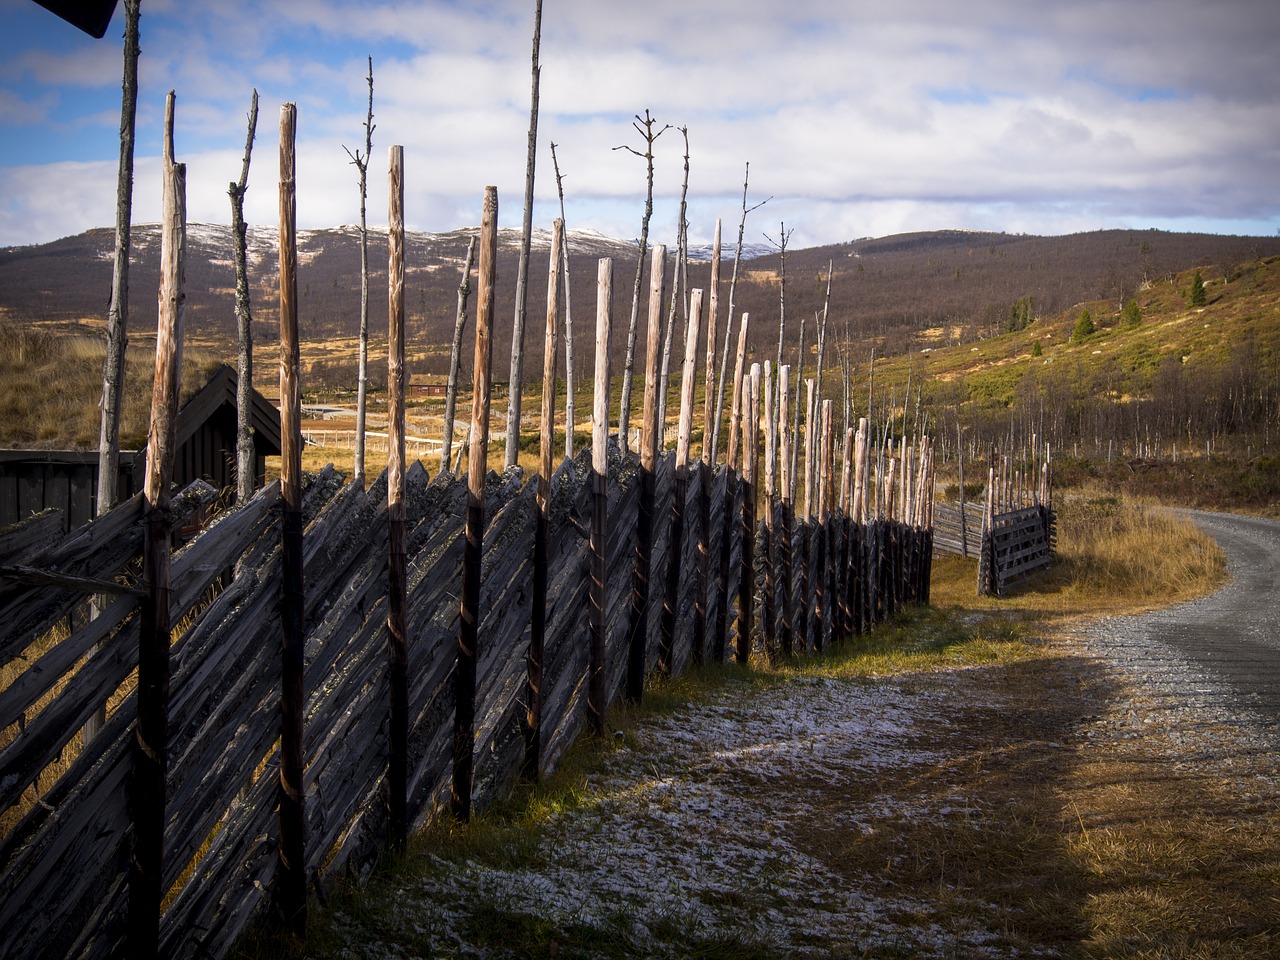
column 733, row 287
column 781, row 243
column 709, row 381
column 793, row 466
column 245, row 469
column 645, row 128
column 679, row 285
column 361, row 163
column 522, row 270
column 118, row 312
column 570, row 417
column 455, row 357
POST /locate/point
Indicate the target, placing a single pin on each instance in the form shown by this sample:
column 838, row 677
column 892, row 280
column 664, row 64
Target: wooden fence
column 1012, row 532
column 63, row 866
column 324, row 668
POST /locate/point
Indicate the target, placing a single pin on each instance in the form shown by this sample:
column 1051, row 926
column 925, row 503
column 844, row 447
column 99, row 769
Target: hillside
column 1137, row 405
column 893, row 293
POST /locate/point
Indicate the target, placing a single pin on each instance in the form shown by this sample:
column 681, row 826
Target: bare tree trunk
column 678, row 287
column 728, row 327
column 362, row 373
column 455, row 357
column 118, row 312
column 795, row 423
column 569, row 413
column 516, row 384
column 246, row 473
column 645, row 127
column 708, row 390
column 118, row 315
column 783, row 234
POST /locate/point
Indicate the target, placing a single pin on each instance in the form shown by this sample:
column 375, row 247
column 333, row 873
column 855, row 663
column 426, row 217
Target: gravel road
column 1214, row 661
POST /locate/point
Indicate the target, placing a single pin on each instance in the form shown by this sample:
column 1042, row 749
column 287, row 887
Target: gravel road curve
column 1215, row 660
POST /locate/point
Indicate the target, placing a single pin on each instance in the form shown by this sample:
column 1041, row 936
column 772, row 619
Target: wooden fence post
column 784, row 509
column 292, row 888
column 650, row 431
column 151, row 732
column 472, row 553
column 596, row 653
column 397, row 568
column 703, row 622
column 731, row 484
column 821, row 564
column 768, row 612
column 538, row 618
column 806, row 517
column 675, row 549
column 750, row 423
column 844, row 619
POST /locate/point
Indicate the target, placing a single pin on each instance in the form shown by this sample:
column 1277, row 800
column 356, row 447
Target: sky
column 856, row 118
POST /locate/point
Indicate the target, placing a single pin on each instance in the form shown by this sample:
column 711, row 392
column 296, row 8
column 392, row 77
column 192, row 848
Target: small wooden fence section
column 1013, row 533
column 324, row 668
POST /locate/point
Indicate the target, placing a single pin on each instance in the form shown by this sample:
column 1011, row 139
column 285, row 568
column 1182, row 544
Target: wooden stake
column 666, row 645
column 684, row 437
column 638, row 638
column 821, row 572
column 538, row 617
column 735, row 411
column 784, row 535
column 769, row 549
column 292, row 888
column 151, row 732
column 397, row 566
column 709, row 452
column 750, row 420
column 472, row 551
column 596, row 696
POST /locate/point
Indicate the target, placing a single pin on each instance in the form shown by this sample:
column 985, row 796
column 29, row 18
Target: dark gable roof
column 221, row 389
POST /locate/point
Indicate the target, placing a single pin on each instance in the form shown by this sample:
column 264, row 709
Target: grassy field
column 1091, row 843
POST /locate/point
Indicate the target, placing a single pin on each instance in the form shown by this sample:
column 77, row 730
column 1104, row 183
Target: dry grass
column 52, row 380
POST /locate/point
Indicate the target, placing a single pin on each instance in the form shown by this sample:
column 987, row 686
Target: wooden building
column 35, row 480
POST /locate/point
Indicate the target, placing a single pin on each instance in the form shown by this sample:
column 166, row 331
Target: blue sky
column 857, row 118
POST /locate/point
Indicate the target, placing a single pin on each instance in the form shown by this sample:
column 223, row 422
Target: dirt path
column 1221, row 653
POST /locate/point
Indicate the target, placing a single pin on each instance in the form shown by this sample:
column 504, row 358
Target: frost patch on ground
column 690, row 839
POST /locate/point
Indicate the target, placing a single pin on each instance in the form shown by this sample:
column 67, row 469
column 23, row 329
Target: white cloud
column 857, row 118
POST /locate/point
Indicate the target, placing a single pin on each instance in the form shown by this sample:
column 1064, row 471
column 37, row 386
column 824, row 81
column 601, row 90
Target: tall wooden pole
column 516, row 385
column 675, row 548
column 702, row 609
column 538, row 621
column 785, row 510
column 472, row 553
column 821, row 576
column 768, row 612
column 293, row 881
column 684, row 435
column 641, row 589
column 750, row 421
column 596, row 652
column 246, row 470
column 118, row 314
column 397, row 567
column 151, row 731
column 732, row 481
